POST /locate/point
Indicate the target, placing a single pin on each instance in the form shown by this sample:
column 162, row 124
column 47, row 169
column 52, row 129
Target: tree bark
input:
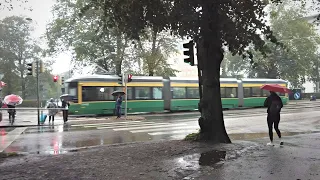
column 118, row 61
column 210, row 53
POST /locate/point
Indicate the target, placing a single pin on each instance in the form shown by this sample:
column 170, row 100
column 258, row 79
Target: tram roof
column 195, row 80
column 112, row 78
column 264, row 81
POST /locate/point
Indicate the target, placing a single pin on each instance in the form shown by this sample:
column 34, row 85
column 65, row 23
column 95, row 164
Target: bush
column 192, row 136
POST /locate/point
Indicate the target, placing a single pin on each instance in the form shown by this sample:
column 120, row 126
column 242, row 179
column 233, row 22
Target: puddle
column 212, row 157
column 195, row 161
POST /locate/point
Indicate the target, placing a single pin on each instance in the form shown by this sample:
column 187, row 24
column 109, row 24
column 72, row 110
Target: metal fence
column 28, row 116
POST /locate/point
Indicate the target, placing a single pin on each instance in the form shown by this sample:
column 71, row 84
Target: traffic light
column 31, row 69
column 62, row 80
column 120, row 80
column 129, row 78
column 189, row 52
column 55, row 78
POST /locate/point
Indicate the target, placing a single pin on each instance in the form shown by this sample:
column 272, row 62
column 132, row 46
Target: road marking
column 122, row 122
column 165, row 129
column 146, row 127
column 174, row 132
column 8, row 139
column 123, row 125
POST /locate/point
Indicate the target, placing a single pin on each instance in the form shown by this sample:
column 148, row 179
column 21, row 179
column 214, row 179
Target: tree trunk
column 151, row 73
column 118, row 61
column 211, row 122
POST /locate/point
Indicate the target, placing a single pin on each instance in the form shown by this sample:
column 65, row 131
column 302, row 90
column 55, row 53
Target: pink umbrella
column 2, row 84
column 12, row 100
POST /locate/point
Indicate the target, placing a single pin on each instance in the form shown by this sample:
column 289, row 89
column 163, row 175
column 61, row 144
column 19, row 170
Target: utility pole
column 126, row 95
column 38, row 98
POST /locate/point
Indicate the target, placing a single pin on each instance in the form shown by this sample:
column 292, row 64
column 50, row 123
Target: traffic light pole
column 126, row 95
column 38, row 98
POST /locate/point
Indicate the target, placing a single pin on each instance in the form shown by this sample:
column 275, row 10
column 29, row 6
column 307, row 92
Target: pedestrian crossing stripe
column 123, row 125
column 111, row 123
column 164, row 129
column 184, row 131
column 146, row 127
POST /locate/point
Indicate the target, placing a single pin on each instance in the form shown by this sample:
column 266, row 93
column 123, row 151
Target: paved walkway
column 297, row 159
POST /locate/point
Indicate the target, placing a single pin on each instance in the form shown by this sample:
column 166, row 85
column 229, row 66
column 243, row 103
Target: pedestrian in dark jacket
column 274, row 104
column 65, row 110
column 118, row 105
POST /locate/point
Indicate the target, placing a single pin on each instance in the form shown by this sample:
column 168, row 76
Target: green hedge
column 31, row 103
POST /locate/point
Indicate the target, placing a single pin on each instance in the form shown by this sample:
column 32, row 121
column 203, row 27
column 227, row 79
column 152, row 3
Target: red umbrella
column 12, row 100
column 275, row 88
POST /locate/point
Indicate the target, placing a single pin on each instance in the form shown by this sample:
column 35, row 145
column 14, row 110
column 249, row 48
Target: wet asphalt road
column 82, row 132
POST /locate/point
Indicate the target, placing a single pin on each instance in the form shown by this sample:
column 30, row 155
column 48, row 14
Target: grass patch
column 193, row 137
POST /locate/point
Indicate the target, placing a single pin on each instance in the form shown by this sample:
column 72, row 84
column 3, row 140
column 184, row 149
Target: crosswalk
column 152, row 128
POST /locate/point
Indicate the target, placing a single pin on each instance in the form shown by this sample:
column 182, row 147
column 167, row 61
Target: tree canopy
column 88, row 40
column 292, row 63
column 17, row 48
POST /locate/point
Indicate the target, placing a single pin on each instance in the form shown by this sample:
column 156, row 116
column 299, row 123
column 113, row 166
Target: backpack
column 275, row 107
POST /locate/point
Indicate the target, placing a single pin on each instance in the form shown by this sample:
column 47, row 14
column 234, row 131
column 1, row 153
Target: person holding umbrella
column 118, row 95
column 274, row 105
column 65, row 105
column 12, row 101
column 118, row 105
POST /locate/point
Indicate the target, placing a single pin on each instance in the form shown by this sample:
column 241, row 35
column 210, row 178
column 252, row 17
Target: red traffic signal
column 129, row 77
column 55, row 78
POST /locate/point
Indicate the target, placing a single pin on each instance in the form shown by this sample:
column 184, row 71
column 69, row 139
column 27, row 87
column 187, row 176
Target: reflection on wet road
column 61, row 139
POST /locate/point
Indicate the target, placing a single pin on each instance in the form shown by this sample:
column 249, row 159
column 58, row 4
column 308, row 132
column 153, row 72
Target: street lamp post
column 37, row 78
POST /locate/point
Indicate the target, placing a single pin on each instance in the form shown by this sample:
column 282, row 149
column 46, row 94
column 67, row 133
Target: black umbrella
column 116, row 93
column 67, row 97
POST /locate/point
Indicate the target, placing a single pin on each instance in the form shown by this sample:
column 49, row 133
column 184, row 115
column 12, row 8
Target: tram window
column 256, row 92
column 142, row 93
column 129, row 91
column 265, row 93
column 90, row 93
column 231, row 92
column 179, row 93
column 73, row 91
column 247, row 92
column 223, row 92
column 157, row 93
column 193, row 93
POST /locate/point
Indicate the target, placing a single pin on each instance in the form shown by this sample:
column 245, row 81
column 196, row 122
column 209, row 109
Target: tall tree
column 292, row 63
column 211, row 24
column 301, row 40
column 16, row 40
column 84, row 37
column 153, row 51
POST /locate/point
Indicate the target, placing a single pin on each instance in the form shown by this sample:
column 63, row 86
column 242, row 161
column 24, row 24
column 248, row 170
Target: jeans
column 118, row 111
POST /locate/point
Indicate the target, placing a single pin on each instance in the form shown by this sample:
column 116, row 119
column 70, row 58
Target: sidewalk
column 299, row 158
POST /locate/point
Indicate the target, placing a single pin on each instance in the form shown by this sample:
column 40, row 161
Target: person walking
column 274, row 105
column 118, row 106
column 65, row 112
column 52, row 110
